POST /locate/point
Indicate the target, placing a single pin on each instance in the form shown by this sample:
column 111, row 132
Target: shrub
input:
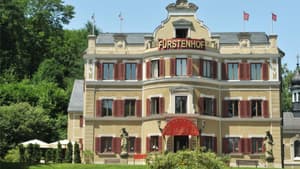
column 48, row 156
column 29, row 154
column 185, row 160
column 69, row 153
column 36, row 154
column 88, row 156
column 77, row 153
column 59, row 154
column 22, row 153
column 12, row 155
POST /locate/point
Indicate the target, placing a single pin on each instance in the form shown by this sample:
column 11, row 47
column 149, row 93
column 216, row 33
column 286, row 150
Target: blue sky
column 218, row 15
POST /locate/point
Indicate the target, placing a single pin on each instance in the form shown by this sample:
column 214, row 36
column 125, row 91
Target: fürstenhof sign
column 166, row 44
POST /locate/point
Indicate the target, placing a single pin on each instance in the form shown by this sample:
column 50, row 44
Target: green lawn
column 80, row 166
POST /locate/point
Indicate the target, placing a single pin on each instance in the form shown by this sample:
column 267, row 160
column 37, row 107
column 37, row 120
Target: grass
column 80, row 166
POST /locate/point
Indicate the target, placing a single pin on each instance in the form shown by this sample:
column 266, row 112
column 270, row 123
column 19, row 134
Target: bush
column 77, row 158
column 69, row 153
column 185, row 160
column 22, row 153
column 48, row 156
column 12, row 155
column 88, row 156
column 59, row 154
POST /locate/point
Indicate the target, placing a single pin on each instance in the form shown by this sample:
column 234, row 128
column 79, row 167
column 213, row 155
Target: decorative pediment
column 182, row 4
column 182, row 22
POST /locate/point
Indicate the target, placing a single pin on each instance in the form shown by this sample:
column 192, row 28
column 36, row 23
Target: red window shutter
column 225, row 108
column 265, row 108
column 138, row 108
column 247, row 145
column 161, row 105
column 161, row 67
column 99, row 71
column 265, row 72
column 247, row 71
column 214, row 69
column 115, row 108
column 244, row 109
column 148, row 107
column 215, row 144
column 98, row 108
column 80, row 121
column 81, row 143
column 139, row 71
column 214, row 107
column 224, row 71
column 98, row 145
column 148, row 69
column 201, row 67
column 116, row 145
column 241, row 145
column 189, row 66
column 121, row 108
column 137, row 145
column 173, row 66
column 160, row 140
column 148, row 149
column 225, row 144
column 116, row 71
column 121, row 71
column 241, row 71
column 201, row 105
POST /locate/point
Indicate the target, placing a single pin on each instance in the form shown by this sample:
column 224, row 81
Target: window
column 233, row 145
column 295, row 97
column 107, row 107
column 130, row 71
column 208, row 106
column 297, row 148
column 233, row 108
column 232, row 71
column 207, row 69
column 208, row 143
column 255, row 71
column 257, row 144
column 181, row 33
column 106, row 144
column 129, row 107
column 256, row 108
column 131, row 141
column 155, row 68
column 108, row 71
column 154, row 143
column 180, row 104
column 155, row 105
column 181, row 67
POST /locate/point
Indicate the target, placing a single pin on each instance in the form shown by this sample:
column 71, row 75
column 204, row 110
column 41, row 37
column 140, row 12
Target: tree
column 30, row 154
column 59, row 153
column 36, row 154
column 89, row 27
column 69, row 153
column 48, row 156
column 22, row 153
column 286, row 94
column 21, row 122
column 77, row 158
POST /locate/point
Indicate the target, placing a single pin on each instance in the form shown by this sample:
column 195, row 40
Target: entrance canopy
column 36, row 141
column 180, row 127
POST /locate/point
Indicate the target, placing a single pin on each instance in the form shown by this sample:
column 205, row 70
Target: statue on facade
column 124, row 143
column 268, row 143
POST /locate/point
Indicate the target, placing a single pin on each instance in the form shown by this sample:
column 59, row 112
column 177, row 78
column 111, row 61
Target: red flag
column 274, row 17
column 246, row 16
column 120, row 16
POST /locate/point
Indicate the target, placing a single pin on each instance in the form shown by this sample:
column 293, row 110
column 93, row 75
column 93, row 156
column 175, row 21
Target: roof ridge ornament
column 182, row 4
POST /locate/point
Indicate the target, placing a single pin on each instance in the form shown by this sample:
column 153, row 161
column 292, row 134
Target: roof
column 132, row 38
column 76, row 100
column 290, row 122
column 296, row 79
column 233, row 37
column 225, row 37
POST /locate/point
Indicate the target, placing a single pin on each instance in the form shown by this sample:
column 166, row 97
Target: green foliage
column 13, row 155
column 53, row 155
column 30, row 154
column 286, row 94
column 21, row 122
column 22, row 153
column 48, row 156
column 69, row 153
column 88, row 156
column 59, row 154
column 77, row 158
column 36, row 154
column 185, row 160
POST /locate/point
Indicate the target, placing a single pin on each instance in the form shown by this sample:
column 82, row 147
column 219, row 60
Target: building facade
column 179, row 87
column 291, row 125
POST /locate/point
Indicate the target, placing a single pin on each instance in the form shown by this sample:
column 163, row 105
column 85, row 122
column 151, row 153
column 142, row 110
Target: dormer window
column 182, row 33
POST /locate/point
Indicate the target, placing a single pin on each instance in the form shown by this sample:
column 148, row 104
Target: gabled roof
column 76, row 100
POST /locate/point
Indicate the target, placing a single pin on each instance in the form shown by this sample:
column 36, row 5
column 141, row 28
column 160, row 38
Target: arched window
column 297, row 148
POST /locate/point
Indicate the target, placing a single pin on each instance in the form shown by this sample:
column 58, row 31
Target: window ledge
column 257, row 155
column 236, row 154
column 296, row 158
column 106, row 154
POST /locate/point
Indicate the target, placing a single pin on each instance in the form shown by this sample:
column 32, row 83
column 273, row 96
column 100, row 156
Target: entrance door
column 181, row 143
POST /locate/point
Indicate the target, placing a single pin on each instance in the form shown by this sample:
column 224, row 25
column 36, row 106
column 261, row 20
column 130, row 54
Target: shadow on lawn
column 6, row 165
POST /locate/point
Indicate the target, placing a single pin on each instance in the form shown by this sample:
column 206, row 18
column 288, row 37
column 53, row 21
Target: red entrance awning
column 180, row 127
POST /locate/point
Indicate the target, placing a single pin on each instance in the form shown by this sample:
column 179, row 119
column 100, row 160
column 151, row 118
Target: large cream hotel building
column 179, row 87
